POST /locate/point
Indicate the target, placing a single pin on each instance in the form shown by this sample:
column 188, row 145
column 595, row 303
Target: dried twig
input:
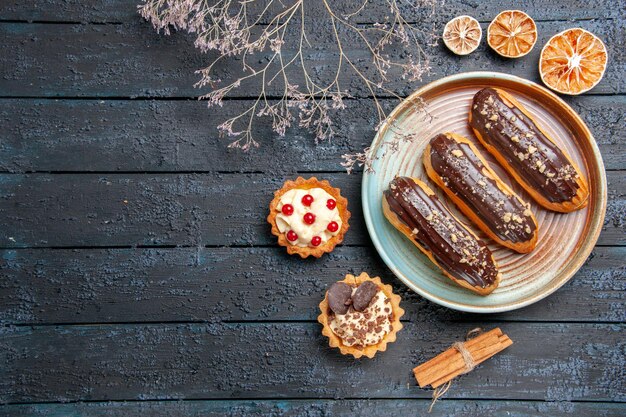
column 241, row 28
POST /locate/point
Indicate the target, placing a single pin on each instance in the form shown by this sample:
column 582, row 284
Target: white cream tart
column 308, row 217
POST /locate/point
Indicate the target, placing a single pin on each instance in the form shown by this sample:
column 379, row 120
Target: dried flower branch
column 238, row 29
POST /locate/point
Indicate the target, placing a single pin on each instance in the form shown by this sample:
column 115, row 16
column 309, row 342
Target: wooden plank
column 200, row 209
column 217, row 284
column 112, row 11
column 52, row 210
column 122, row 135
column 134, row 61
column 292, row 408
column 112, row 135
column 554, row 362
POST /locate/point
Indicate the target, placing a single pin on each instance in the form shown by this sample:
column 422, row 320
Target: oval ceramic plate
column 565, row 240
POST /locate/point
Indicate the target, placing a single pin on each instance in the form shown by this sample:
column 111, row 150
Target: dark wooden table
column 138, row 275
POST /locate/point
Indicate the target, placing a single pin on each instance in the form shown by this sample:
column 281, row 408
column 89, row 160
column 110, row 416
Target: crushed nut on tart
column 360, row 315
column 309, row 217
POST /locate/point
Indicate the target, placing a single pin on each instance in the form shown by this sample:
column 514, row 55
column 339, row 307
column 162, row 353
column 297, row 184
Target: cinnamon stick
column 451, row 359
column 491, row 352
column 452, row 363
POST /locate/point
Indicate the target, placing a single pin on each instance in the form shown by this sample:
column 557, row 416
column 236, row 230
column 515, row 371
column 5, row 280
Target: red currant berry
column 316, row 240
column 331, row 204
column 309, row 218
column 287, row 209
column 332, row 227
column 291, row 236
column 307, row 200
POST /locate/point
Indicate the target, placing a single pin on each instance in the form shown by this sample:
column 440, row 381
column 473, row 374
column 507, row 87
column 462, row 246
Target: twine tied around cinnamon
column 460, row 358
column 470, row 364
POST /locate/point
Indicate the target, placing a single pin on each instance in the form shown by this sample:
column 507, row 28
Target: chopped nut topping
column 527, row 212
column 542, row 168
column 507, row 217
column 493, row 117
column 415, row 231
column 429, row 217
column 527, row 229
column 531, row 149
column 517, row 219
column 454, row 238
column 529, row 134
column 549, row 174
column 515, row 138
column 487, row 125
column 513, row 118
column 457, row 152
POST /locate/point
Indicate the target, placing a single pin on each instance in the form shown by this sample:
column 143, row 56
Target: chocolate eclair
column 458, row 168
column 513, row 137
column 415, row 210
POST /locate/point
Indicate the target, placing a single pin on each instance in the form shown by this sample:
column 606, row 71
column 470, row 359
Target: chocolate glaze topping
column 462, row 172
column 528, row 151
column 435, row 229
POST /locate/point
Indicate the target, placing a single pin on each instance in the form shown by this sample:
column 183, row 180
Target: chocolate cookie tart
column 415, row 210
column 360, row 315
column 458, row 168
column 513, row 137
column 309, row 217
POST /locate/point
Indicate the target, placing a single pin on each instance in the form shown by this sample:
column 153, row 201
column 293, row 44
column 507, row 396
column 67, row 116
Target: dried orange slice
column 512, row 34
column 462, row 35
column 573, row 61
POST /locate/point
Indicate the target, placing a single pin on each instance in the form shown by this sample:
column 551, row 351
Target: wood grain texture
column 316, row 408
column 122, row 135
column 240, row 284
column 47, row 210
column 87, row 61
column 113, row 11
column 229, row 329
column 293, row 360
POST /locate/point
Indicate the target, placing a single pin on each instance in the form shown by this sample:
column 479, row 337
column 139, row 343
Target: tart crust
column 342, row 208
column 369, row 351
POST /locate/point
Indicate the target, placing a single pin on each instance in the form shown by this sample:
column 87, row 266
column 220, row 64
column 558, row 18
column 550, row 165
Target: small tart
column 313, row 235
column 327, row 315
